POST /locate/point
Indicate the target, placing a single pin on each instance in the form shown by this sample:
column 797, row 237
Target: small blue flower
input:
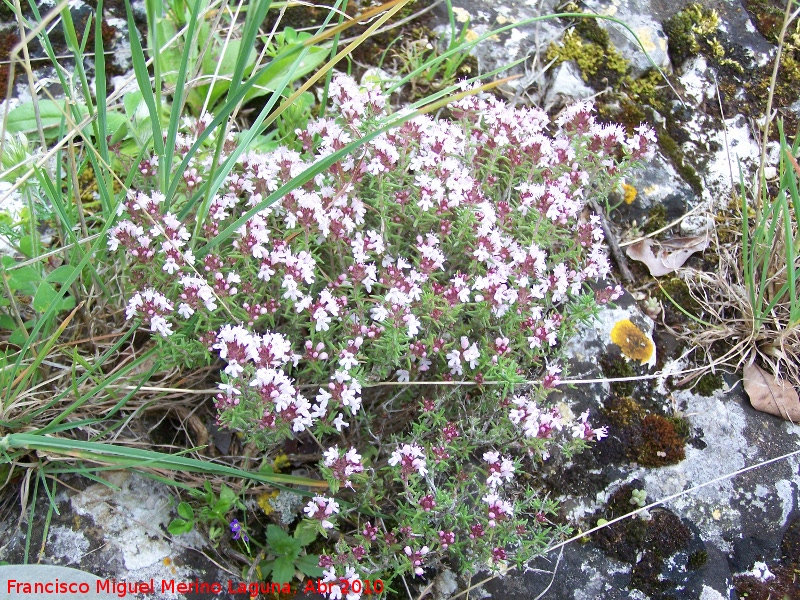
column 236, row 530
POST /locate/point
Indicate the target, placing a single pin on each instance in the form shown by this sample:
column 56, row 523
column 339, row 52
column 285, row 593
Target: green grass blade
column 129, row 457
column 100, row 84
column 176, row 112
column 256, row 13
column 145, row 85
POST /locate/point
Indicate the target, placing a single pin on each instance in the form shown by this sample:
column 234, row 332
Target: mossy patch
column 651, row 439
column 675, row 295
column 589, row 45
column 661, row 444
column 690, row 31
column 616, row 367
column 708, row 384
column 623, row 411
column 656, row 219
column 697, row 560
column 785, row 583
column 644, row 543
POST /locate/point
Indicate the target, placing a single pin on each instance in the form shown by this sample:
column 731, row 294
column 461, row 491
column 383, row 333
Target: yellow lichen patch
column 263, row 501
column 462, row 16
column 629, row 193
column 281, row 462
column 634, row 343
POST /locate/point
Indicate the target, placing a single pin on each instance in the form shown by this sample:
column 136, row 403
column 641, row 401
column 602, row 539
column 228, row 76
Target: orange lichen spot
column 628, row 193
column 633, row 342
column 167, row 561
column 263, row 501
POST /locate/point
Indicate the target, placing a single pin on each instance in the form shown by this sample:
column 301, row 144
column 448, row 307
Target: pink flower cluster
column 455, row 249
column 320, row 508
column 344, row 465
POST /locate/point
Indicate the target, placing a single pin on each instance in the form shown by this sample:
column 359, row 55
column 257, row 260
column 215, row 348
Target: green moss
column 645, row 544
column 656, row 219
column 647, row 89
column 675, row 155
column 616, row 366
column 681, row 425
column 590, row 47
column 697, row 560
column 675, row 291
column 690, row 31
column 623, row 411
column 708, row 384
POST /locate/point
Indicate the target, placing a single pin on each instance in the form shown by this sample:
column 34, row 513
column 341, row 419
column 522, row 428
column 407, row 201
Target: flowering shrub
column 456, row 251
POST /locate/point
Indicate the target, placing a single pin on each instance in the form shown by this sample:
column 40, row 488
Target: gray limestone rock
column 650, row 50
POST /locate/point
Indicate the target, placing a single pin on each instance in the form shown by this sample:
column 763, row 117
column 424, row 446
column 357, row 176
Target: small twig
column 613, row 246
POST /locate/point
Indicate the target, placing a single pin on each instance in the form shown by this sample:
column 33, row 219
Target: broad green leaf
column 18, row 337
column 67, row 303
column 185, row 511
column 171, row 56
column 309, row 565
column 23, row 118
column 25, row 280
column 179, row 526
column 131, row 101
column 46, row 294
column 28, row 246
column 61, row 274
column 116, row 123
column 6, row 322
column 271, row 78
column 227, row 496
column 225, row 57
column 265, row 566
column 283, row 570
column 306, row 532
column 280, row 542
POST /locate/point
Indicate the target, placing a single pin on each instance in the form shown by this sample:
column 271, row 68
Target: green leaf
column 23, row 118
column 179, row 526
column 6, row 322
column 271, row 78
column 61, row 274
column 280, row 542
column 170, row 57
column 225, row 57
column 131, row 101
column 265, row 566
column 306, row 532
column 185, row 510
column 67, row 303
column 45, row 296
column 116, row 124
column 309, row 565
column 283, row 570
column 25, row 280
column 27, row 246
column 18, row 337
column 227, row 498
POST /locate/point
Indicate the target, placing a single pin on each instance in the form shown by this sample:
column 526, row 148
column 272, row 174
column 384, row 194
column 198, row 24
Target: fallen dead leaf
column 771, row 395
column 670, row 254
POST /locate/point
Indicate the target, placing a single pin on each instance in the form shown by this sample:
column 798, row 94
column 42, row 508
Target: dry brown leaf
column 771, row 395
column 670, row 254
